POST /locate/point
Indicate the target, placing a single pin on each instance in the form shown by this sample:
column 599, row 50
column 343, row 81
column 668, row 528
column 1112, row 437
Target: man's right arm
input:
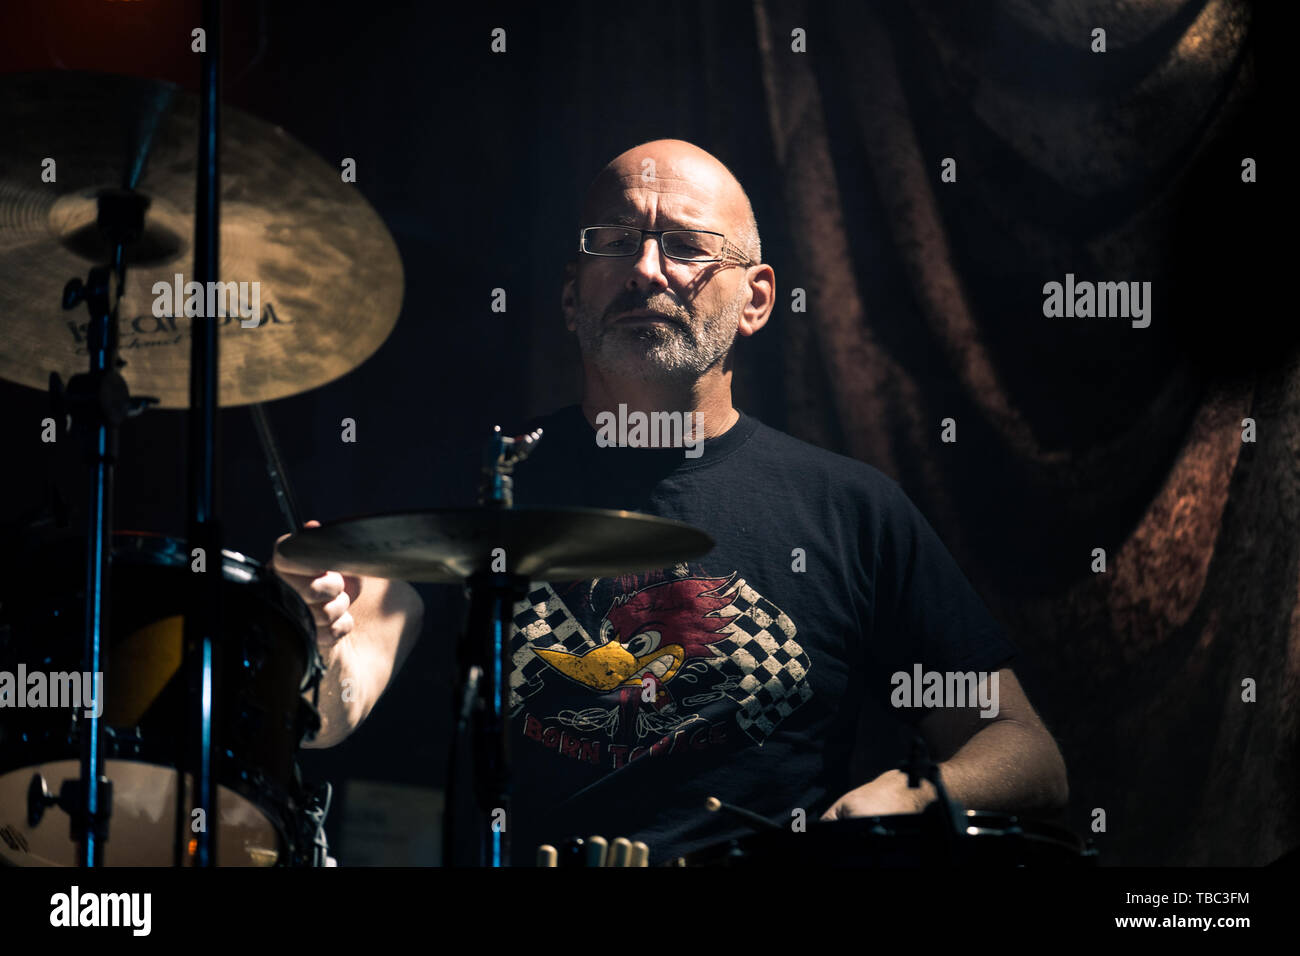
column 365, row 630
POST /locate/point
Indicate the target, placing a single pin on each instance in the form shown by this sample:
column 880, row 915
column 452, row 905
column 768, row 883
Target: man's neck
column 709, row 396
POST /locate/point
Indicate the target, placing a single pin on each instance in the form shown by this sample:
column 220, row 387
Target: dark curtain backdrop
column 923, row 302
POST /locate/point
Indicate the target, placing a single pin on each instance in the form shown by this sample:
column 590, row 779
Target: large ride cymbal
column 448, row 545
column 329, row 272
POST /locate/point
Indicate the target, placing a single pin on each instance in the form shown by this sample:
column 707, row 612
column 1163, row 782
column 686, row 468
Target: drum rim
column 1018, row 825
column 168, row 551
column 160, row 549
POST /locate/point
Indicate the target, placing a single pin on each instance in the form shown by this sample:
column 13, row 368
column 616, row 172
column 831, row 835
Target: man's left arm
column 1007, row 761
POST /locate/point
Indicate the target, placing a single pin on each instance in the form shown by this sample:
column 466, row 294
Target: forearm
column 387, row 617
column 1008, row 765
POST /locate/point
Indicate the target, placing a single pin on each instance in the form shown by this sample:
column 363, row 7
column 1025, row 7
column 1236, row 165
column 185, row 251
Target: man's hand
column 328, row 595
column 1006, row 762
column 887, row 794
column 365, row 629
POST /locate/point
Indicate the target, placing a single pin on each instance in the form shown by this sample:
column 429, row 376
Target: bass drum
column 982, row 839
column 265, row 660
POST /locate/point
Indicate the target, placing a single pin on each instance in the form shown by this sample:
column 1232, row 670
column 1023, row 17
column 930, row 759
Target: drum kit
column 206, row 672
column 188, row 756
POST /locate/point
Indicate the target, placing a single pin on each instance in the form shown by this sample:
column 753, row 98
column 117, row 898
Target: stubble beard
column 679, row 353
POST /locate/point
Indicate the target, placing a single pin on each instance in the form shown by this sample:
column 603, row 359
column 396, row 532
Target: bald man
column 813, row 629
column 827, row 624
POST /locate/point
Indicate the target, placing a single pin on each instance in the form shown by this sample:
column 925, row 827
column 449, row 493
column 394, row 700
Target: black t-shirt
column 742, row 674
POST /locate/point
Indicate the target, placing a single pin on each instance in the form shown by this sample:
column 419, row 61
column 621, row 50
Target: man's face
column 689, row 310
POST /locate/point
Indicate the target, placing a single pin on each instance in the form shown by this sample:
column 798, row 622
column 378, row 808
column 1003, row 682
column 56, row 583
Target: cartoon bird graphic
column 651, row 634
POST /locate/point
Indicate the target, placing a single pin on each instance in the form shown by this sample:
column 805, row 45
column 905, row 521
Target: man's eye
column 687, row 249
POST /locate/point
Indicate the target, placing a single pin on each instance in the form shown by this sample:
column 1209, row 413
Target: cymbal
column 447, row 545
column 329, row 274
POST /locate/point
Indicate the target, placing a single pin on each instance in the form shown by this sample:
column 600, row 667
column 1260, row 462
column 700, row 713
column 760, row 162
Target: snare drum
column 265, row 659
column 982, row 839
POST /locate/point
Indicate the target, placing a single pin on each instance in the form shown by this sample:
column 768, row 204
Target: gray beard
column 677, row 353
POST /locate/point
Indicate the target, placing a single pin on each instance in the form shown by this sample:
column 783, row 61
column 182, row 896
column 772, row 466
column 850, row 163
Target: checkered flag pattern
column 767, row 670
column 541, row 620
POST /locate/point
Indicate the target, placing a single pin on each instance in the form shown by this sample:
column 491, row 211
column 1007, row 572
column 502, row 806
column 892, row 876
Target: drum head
column 144, row 814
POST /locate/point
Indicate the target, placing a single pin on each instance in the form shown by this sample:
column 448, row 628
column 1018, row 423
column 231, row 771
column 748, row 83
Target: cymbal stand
column 203, row 605
column 483, row 691
column 98, row 401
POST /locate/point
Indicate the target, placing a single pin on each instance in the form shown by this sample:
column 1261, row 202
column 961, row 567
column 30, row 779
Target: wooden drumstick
column 640, row 854
column 275, row 470
column 619, row 851
column 547, row 855
column 713, row 805
column 597, row 850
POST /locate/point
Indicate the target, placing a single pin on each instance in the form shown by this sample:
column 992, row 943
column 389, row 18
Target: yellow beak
column 611, row 665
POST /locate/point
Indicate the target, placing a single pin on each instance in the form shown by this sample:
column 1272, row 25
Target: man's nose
column 648, row 268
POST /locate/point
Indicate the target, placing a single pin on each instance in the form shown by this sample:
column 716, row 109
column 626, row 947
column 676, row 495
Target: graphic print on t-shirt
column 673, row 653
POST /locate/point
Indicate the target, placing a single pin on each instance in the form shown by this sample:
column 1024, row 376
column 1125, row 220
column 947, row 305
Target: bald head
column 702, row 192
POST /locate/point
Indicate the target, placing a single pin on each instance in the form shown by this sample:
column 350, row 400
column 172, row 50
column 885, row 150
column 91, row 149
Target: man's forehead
column 675, row 196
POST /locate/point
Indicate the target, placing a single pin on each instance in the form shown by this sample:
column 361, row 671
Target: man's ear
column 569, row 296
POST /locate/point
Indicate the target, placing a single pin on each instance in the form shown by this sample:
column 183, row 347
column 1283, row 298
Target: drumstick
column 275, row 469
column 713, row 805
column 619, row 852
column 597, row 847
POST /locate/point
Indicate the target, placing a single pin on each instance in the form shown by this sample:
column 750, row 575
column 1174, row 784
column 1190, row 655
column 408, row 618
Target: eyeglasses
column 684, row 245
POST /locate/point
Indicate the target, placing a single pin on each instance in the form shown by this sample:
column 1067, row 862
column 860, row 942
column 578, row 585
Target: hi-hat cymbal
column 329, row 274
column 448, row 545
